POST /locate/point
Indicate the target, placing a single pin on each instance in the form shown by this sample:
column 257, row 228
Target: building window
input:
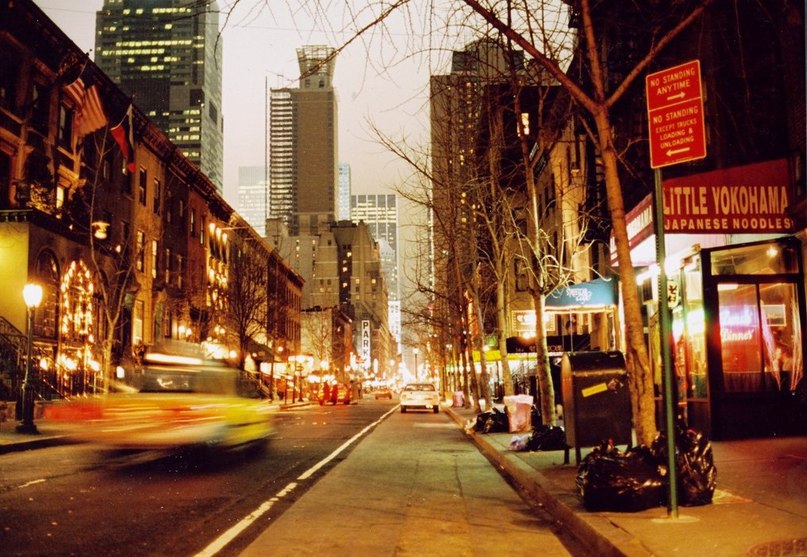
column 40, row 113
column 167, row 266
column 9, row 74
column 142, row 186
column 65, row 127
column 137, row 322
column 157, row 192
column 124, row 232
column 154, row 252
column 180, row 270
column 193, row 223
column 140, row 248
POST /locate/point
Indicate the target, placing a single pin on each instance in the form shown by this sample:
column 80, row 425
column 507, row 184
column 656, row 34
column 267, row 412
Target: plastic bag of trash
column 547, row 438
column 494, row 421
column 518, row 443
column 695, row 464
column 611, row 480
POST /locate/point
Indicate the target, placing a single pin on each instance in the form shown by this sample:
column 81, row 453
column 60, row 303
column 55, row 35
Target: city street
column 409, row 484
column 77, row 500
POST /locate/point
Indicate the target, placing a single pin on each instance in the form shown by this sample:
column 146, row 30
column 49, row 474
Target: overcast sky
column 389, row 86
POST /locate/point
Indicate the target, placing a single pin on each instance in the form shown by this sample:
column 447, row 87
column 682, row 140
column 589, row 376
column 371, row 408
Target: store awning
column 597, row 293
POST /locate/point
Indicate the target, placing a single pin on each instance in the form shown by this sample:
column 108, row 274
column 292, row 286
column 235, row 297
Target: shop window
column 689, row 334
column 760, row 335
column 47, row 315
column 758, row 259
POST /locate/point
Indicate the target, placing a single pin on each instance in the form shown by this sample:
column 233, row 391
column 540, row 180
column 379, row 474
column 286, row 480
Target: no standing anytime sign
column 675, row 115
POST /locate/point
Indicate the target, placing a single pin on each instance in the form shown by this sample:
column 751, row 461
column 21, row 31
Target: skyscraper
column 302, row 146
column 167, row 54
column 343, row 204
column 252, row 196
column 380, row 213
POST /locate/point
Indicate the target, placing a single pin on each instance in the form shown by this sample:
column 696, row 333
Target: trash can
column 519, row 412
column 458, row 399
column 596, row 400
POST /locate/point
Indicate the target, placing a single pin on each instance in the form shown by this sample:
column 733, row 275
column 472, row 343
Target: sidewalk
column 759, row 508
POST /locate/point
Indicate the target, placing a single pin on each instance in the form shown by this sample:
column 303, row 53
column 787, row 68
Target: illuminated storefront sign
column 524, row 321
column 365, row 342
column 752, row 198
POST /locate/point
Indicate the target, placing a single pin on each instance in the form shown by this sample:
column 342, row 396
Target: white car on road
column 420, row 395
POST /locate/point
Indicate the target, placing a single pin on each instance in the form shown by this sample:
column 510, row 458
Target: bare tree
column 113, row 254
column 245, row 299
column 598, row 105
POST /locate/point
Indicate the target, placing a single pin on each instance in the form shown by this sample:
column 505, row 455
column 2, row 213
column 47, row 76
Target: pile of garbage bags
column 494, row 421
column 637, row 479
column 542, row 438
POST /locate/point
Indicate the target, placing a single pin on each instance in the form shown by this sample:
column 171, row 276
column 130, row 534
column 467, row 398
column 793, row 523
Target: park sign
column 675, row 115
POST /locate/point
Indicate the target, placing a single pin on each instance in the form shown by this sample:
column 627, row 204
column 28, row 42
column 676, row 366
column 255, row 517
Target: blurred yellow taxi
column 176, row 401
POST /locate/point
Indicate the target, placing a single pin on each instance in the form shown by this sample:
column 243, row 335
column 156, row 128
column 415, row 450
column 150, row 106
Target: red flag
column 123, row 136
column 90, row 114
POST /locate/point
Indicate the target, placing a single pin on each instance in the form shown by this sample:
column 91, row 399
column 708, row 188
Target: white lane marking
column 311, row 471
column 228, row 536
column 32, row 482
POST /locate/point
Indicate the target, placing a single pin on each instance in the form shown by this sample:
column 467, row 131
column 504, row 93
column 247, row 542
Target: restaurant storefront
column 738, row 341
column 738, row 308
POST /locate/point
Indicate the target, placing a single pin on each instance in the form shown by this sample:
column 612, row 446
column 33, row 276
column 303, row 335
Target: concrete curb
column 598, row 533
column 30, row 444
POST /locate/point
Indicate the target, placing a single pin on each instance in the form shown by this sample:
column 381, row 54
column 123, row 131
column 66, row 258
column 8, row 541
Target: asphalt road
column 80, row 500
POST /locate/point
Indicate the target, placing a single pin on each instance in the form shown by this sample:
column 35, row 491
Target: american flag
column 90, row 114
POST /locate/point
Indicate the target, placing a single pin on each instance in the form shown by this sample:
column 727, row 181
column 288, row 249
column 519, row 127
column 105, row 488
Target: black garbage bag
column 695, row 464
column 536, row 421
column 547, row 438
column 611, row 480
column 494, row 421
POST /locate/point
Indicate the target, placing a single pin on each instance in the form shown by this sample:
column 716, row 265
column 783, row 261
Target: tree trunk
column 637, row 362
column 501, row 336
column 544, row 383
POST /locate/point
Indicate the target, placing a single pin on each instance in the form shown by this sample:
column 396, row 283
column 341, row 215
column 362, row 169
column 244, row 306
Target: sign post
column 676, row 134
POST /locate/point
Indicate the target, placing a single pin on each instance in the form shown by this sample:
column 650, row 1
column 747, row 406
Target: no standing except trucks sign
column 675, row 115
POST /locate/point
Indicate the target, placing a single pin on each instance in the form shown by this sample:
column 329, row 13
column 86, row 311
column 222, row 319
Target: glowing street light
column 32, row 294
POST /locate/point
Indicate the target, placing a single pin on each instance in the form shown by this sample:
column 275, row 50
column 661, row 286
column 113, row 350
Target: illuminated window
column 140, row 250
column 154, row 251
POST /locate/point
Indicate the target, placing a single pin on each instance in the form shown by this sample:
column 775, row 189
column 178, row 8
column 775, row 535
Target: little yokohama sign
column 675, row 115
column 752, row 198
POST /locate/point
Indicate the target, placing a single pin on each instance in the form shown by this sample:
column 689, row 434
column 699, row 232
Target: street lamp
column 32, row 294
column 415, row 352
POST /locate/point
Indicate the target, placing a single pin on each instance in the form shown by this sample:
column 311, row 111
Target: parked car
column 420, row 395
column 173, row 401
column 382, row 392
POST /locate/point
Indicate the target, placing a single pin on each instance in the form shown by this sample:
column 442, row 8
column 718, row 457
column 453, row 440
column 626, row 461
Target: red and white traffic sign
column 675, row 115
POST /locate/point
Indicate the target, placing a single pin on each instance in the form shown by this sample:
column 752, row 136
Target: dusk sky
column 388, row 87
